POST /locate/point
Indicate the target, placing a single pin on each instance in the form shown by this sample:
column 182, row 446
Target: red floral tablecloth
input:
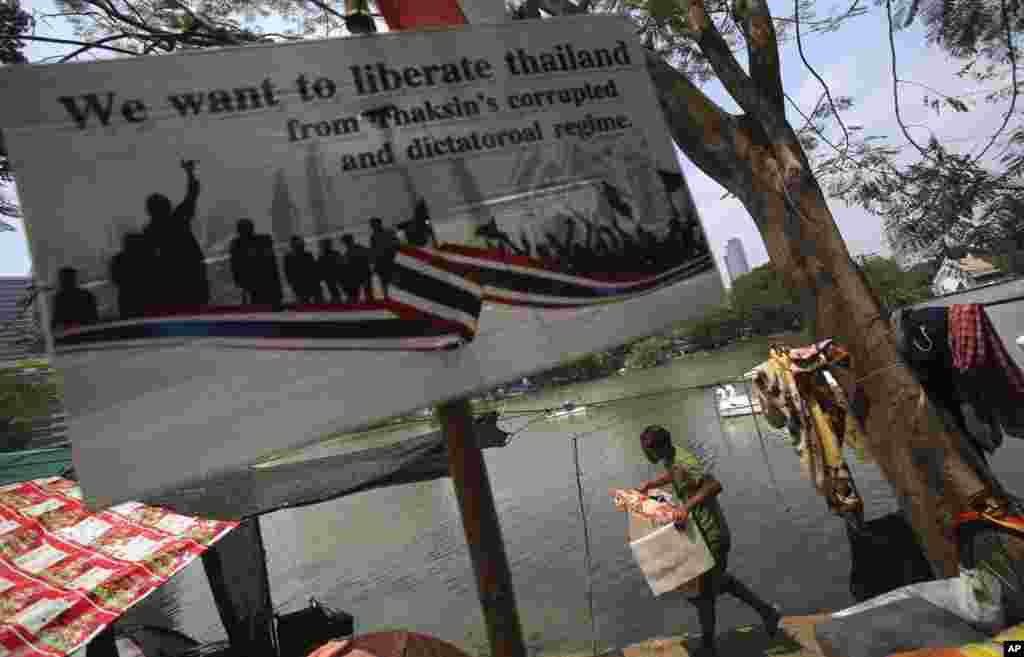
column 67, row 573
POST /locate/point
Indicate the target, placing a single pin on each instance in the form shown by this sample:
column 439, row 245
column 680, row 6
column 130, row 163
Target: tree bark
column 757, row 157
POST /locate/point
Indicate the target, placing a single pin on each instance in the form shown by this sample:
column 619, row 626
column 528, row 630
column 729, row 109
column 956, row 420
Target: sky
column 854, row 61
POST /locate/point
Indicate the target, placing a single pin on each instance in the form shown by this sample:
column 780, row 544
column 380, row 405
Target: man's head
column 67, row 278
column 298, row 244
column 376, row 224
column 246, row 228
column 158, row 206
column 656, row 442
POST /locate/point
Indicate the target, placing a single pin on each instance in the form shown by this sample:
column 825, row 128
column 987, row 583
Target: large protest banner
column 250, row 248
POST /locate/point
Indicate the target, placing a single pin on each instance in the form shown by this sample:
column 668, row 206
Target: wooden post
column 483, row 531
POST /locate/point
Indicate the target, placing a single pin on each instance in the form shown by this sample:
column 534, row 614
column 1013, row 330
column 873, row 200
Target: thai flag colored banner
column 224, row 232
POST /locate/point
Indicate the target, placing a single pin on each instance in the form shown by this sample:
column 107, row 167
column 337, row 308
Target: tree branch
column 854, row 10
column 95, row 44
column 1013, row 72
column 763, row 51
column 807, row 64
column 191, row 36
column 698, row 125
column 895, row 83
column 843, row 153
column 561, row 7
column 933, row 89
column 808, row 118
column 327, row 9
column 67, row 42
column 747, row 93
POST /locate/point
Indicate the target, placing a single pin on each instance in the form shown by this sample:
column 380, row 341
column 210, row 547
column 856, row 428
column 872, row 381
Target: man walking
column 698, row 493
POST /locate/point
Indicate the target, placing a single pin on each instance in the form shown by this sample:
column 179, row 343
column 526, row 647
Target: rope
column 586, row 547
column 872, row 374
column 615, row 400
column 525, row 426
column 764, row 451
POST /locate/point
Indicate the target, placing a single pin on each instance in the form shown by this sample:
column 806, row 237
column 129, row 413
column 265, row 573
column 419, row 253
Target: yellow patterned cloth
column 794, row 393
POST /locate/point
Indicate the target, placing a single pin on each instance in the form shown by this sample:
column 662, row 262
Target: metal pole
column 483, row 531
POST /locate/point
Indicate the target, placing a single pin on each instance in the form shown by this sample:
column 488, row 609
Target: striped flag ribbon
column 436, row 296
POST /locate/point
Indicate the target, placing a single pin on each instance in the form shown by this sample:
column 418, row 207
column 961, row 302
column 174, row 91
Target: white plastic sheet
column 669, row 558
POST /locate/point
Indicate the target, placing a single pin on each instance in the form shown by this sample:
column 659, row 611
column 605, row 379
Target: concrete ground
column 795, row 639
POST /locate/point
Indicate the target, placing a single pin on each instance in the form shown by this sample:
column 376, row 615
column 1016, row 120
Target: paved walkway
column 796, row 639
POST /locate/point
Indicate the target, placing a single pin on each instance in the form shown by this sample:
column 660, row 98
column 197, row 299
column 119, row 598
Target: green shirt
column 686, row 479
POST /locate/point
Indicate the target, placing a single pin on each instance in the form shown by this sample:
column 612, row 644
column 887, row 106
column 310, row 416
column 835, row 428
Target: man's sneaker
column 771, row 622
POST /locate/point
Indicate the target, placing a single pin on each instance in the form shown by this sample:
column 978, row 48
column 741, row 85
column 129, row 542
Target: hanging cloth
column 405, row 15
column 795, row 393
column 989, row 377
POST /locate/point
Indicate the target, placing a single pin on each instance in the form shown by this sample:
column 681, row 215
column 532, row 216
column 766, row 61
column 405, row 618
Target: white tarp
column 313, row 139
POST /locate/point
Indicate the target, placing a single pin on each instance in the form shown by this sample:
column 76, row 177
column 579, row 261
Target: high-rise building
column 736, row 259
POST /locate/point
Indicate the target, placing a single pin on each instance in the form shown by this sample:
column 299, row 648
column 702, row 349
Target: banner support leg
column 483, row 530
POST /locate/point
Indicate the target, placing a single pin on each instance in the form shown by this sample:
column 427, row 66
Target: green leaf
column 661, row 10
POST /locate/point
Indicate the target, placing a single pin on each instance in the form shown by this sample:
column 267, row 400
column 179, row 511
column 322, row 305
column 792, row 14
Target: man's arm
column 236, row 263
column 663, row 480
column 709, row 487
column 186, row 210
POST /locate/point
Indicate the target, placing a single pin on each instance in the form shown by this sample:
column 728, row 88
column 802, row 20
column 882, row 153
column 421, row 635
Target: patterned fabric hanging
column 795, row 394
column 404, row 15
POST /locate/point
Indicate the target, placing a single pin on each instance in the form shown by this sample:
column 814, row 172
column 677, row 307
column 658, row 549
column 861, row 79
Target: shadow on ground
column 749, row 641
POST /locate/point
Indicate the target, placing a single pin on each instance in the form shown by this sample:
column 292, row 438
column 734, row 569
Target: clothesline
column 1002, row 301
column 615, row 400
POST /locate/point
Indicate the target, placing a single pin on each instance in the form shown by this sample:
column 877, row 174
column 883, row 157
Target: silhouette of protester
column 330, row 269
column 698, row 242
column 300, row 268
column 254, row 266
column 130, row 272
column 384, row 244
column 178, row 263
column 418, row 230
column 357, row 274
column 615, row 200
column 72, row 305
column 677, row 233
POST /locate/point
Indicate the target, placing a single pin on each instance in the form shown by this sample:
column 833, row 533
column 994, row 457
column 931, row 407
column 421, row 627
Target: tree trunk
column 918, row 455
column 757, row 157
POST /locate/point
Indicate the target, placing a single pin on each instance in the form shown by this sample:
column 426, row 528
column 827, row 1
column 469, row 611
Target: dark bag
column 300, row 632
column 885, row 556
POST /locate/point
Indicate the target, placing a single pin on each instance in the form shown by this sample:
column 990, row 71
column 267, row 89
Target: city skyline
column 736, row 262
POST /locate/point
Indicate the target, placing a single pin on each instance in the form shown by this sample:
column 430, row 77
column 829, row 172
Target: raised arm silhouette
column 179, row 267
